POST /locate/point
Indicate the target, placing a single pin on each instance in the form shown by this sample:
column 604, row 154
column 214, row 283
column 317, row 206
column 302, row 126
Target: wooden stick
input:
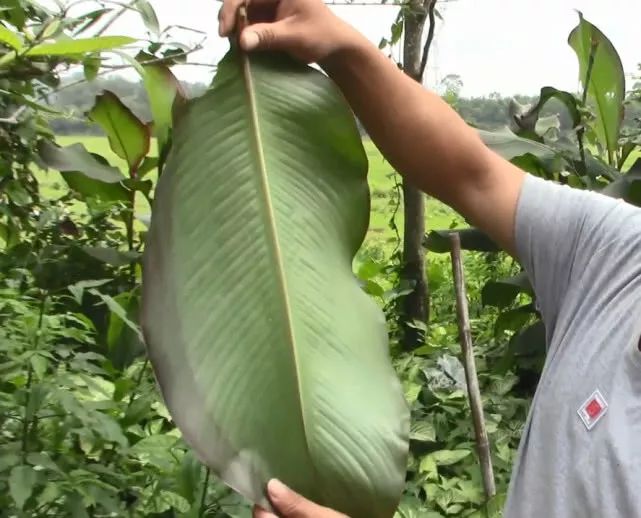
column 474, row 393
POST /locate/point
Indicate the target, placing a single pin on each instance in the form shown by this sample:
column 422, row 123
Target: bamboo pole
column 474, row 393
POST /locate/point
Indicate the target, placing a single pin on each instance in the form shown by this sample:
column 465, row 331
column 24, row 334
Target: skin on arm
column 420, row 135
column 427, row 142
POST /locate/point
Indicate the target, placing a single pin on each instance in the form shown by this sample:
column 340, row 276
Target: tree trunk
column 415, row 305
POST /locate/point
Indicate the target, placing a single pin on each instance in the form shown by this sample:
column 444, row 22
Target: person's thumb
column 292, row 505
column 266, row 36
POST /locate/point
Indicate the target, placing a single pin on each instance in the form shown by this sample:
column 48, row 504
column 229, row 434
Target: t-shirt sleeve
column 573, row 241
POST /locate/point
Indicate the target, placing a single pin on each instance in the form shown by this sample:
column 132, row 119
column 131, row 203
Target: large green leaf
column 78, row 46
column 606, row 86
column 269, row 356
column 128, row 137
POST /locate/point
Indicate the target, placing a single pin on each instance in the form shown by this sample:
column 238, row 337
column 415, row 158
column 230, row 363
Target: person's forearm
column 421, row 136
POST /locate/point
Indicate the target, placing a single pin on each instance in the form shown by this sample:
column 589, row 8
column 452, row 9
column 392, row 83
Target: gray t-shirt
column 580, row 454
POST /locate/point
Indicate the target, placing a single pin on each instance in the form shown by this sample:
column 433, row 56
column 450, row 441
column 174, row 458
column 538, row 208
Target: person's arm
column 426, row 141
column 421, row 136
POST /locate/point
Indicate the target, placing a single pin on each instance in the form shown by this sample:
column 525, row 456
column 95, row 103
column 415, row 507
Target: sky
column 505, row 46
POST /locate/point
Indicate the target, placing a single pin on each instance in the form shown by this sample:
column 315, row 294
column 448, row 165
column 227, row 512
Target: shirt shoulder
column 563, row 233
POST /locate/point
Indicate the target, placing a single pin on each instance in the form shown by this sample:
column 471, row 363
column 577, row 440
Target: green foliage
column 295, row 210
column 128, row 137
column 582, row 142
column 164, row 89
column 511, row 146
column 77, row 46
column 84, row 431
column 593, row 151
column 603, row 81
column 443, row 474
column 77, row 158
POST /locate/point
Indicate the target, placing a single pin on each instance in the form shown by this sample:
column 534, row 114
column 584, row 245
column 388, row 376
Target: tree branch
column 115, row 17
column 36, row 342
column 472, row 382
column 203, row 497
column 13, row 118
column 431, row 13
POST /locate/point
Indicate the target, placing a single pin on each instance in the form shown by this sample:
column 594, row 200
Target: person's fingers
column 227, row 16
column 285, row 500
column 259, row 512
column 292, row 505
column 267, row 36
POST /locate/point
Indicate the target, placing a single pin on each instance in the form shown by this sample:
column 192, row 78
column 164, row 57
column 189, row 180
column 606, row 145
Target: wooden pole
column 473, row 391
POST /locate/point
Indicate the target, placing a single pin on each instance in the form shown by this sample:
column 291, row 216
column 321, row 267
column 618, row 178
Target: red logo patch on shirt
column 593, row 409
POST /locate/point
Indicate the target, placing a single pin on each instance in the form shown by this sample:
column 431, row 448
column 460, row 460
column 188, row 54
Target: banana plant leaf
column 602, row 74
column 270, row 358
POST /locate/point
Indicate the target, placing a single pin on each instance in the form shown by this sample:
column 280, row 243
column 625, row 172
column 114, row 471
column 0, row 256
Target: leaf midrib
column 278, row 257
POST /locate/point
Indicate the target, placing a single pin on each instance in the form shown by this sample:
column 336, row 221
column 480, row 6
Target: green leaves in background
column 505, row 143
column 76, row 158
column 10, row 38
column 503, row 292
column 91, row 66
column 128, row 137
column 71, row 47
column 83, row 431
column 528, row 121
column 21, row 483
column 162, row 89
column 606, row 83
column 627, row 186
column 438, row 241
column 447, row 457
column 124, row 340
column 85, row 173
column 148, row 15
column 249, row 299
column 90, row 188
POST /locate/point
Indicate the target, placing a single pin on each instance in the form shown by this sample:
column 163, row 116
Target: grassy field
column 381, row 180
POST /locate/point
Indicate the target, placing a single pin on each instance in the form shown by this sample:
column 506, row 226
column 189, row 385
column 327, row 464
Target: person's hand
column 292, row 505
column 306, row 29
